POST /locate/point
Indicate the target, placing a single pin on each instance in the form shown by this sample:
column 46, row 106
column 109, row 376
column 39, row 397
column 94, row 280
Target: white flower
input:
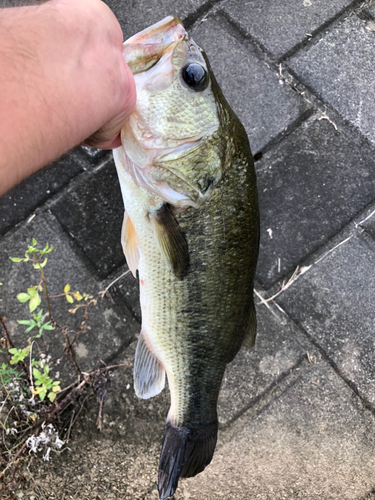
column 46, row 441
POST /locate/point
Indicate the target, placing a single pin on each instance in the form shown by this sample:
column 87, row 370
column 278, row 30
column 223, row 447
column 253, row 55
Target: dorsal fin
column 171, row 241
column 149, row 375
column 129, row 244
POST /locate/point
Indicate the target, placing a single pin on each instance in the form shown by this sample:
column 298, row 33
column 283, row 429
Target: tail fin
column 185, row 453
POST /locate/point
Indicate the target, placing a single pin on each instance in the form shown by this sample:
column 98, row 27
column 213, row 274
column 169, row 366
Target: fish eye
column 195, row 76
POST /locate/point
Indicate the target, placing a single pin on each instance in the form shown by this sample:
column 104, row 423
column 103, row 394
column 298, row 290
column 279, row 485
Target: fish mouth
column 167, row 30
column 146, row 48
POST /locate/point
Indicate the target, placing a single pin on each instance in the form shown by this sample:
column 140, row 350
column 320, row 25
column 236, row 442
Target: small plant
column 40, row 412
column 8, row 374
column 18, row 355
column 37, row 321
column 46, row 385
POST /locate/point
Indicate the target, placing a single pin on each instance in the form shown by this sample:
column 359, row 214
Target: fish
column 191, row 232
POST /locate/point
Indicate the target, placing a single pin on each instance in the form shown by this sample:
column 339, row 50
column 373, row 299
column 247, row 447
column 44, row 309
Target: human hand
column 113, row 81
column 64, row 82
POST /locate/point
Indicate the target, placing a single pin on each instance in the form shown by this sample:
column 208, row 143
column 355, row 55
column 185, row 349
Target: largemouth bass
column 191, row 230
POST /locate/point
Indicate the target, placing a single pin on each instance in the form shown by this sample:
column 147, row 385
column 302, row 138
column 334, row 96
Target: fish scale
column 192, row 231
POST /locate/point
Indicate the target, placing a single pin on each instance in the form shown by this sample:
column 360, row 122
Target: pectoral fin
column 171, row 241
column 129, row 244
column 149, row 375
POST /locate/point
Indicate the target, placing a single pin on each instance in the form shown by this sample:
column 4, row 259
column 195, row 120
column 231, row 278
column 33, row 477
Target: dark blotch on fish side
column 185, row 453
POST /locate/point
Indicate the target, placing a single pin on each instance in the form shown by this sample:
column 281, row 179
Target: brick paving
column 297, row 411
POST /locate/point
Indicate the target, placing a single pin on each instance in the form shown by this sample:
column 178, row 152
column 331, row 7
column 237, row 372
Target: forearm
column 56, row 74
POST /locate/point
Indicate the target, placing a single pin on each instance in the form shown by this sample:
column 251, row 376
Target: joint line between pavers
column 313, row 37
column 267, row 57
column 294, row 125
column 275, row 390
column 194, row 18
column 352, row 386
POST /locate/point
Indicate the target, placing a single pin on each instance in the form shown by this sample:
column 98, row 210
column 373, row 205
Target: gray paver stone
column 109, row 328
column 253, row 371
column 18, row 203
column 126, row 291
column 136, row 16
column 310, row 443
column 346, row 82
column 304, row 185
column 280, row 26
column 334, row 302
column 92, row 213
column 264, row 104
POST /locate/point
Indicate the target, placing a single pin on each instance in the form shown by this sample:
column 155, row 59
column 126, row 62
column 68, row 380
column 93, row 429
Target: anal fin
column 129, row 244
column 171, row 241
column 149, row 374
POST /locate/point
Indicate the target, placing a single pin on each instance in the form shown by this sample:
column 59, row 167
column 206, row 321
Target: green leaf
column 34, row 242
column 23, row 297
column 32, row 291
column 44, row 262
column 39, row 315
column 38, row 265
column 42, row 394
column 24, row 321
column 77, row 295
column 46, row 369
column 48, row 327
column 30, row 328
column 36, row 373
column 69, row 298
column 35, row 302
column 66, row 288
column 16, row 259
column 52, row 396
column 18, row 355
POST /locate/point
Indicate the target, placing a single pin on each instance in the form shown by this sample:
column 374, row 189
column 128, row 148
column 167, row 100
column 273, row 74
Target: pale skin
column 63, row 82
